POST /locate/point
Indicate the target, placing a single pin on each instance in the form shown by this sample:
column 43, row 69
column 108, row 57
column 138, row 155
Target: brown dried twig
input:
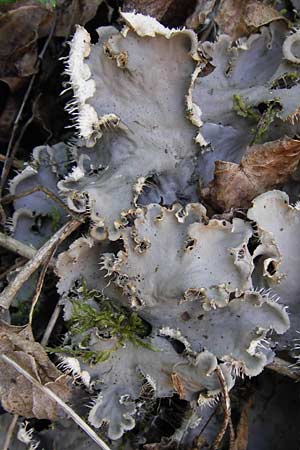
column 8, row 294
column 51, row 324
column 40, row 282
column 12, row 197
column 15, row 163
column 227, row 411
column 16, row 246
column 69, row 411
column 285, row 368
column 15, row 266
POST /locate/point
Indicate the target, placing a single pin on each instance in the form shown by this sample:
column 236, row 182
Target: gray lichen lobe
column 142, row 129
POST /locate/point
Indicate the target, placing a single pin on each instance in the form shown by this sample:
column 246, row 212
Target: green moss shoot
column 110, row 320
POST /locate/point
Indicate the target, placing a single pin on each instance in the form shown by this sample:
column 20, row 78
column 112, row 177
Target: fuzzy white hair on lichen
column 84, row 87
column 151, row 382
column 237, row 367
column 297, row 205
column 296, row 351
column 26, row 436
column 176, row 334
column 149, row 26
column 204, row 401
column 139, row 185
column 94, row 400
column 72, row 367
column 76, row 174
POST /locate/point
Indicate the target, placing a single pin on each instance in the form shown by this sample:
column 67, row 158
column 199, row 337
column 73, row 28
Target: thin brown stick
column 51, row 325
column 285, row 368
column 10, row 432
column 15, row 163
column 12, row 149
column 16, row 246
column 15, row 266
column 12, row 197
column 40, row 282
column 8, row 294
column 226, row 408
column 69, row 411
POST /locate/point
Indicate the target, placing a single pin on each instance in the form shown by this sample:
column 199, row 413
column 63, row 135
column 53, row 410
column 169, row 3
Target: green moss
column 262, row 120
column 266, row 119
column 243, row 109
column 111, row 321
column 88, row 356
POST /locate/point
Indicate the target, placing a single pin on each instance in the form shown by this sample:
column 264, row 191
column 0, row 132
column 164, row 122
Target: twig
column 284, row 368
column 40, row 282
column 8, row 294
column 51, row 325
column 15, row 266
column 10, row 432
column 77, row 419
column 226, row 407
column 205, row 426
column 12, row 197
column 11, row 154
column 15, row 163
column 16, row 246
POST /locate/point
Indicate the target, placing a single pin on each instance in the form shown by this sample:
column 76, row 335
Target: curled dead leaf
column 17, row 394
column 31, row 21
column 238, row 18
column 264, row 167
column 19, row 53
column 152, row 8
column 170, row 12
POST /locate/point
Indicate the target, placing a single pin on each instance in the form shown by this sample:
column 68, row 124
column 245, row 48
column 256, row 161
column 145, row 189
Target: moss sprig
column 262, row 120
column 110, row 320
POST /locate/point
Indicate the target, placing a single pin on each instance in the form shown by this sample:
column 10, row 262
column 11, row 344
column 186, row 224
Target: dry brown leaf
column 8, row 115
column 238, row 18
column 17, row 394
column 74, row 12
column 19, row 53
column 170, row 12
column 263, row 167
column 30, row 21
column 198, row 16
column 154, row 8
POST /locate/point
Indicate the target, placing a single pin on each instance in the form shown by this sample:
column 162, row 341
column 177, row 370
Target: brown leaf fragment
column 238, row 18
column 19, row 54
column 171, row 13
column 263, row 167
column 154, row 8
column 197, row 18
column 74, row 12
column 17, row 394
column 30, row 21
